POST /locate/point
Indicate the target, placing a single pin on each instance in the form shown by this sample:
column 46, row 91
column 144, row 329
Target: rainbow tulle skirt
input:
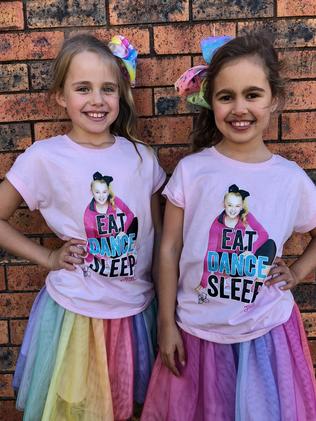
column 270, row 378
column 77, row 368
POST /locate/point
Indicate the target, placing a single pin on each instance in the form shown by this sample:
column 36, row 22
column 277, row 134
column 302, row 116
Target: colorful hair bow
column 192, row 82
column 121, row 48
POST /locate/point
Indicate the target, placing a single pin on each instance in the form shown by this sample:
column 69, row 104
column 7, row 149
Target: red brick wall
column 167, row 36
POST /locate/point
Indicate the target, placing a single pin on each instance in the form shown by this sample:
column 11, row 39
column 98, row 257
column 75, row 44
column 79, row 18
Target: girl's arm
column 19, row 245
column 156, row 217
column 170, row 341
column 303, row 266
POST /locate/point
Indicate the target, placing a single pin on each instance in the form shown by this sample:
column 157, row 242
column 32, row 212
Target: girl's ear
column 60, row 99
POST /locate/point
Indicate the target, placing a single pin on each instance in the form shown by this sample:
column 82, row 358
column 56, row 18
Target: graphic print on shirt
column 111, row 229
column 239, row 253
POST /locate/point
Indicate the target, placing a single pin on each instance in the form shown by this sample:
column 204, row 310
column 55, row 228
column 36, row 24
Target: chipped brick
column 8, row 357
column 309, row 320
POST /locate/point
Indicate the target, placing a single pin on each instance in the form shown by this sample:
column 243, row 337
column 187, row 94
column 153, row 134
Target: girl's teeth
column 241, row 123
column 96, row 115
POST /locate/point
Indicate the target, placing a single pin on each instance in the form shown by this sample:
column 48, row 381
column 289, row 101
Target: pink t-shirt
column 55, row 176
column 224, row 261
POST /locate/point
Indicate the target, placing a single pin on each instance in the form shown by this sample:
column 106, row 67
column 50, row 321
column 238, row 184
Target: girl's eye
column 225, row 98
column 252, row 95
column 109, row 89
column 82, row 89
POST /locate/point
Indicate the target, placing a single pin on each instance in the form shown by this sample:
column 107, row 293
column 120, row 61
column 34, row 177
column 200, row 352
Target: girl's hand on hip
column 171, row 347
column 68, row 256
column 280, row 272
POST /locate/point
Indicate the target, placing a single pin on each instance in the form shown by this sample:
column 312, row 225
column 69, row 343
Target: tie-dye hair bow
column 121, row 48
column 192, row 82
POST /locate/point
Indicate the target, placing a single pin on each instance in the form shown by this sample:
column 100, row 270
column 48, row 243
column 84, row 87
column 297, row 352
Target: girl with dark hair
column 239, row 352
column 89, row 345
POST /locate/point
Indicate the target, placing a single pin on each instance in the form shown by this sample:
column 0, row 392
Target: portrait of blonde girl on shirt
column 241, row 354
column 89, row 345
column 108, row 218
column 236, row 239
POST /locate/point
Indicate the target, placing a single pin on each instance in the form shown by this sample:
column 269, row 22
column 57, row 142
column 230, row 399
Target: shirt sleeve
column 26, row 176
column 174, row 190
column 306, row 214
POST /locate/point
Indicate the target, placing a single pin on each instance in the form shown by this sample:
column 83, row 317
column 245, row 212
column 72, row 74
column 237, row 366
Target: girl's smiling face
column 233, row 206
column 91, row 97
column 100, row 192
column 242, row 102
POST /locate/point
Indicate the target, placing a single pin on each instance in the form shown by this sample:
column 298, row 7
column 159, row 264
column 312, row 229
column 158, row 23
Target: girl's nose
column 239, row 107
column 97, row 98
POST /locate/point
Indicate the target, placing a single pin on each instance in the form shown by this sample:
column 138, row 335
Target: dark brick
column 41, row 74
column 143, row 11
column 15, row 136
column 305, row 296
column 17, row 304
column 13, row 77
column 8, row 357
column 46, row 130
column 48, row 14
column 8, row 412
column 286, row 33
column 167, row 101
column 164, row 130
column 231, row 9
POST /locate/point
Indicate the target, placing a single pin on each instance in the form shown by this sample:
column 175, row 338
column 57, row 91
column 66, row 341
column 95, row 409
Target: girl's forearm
column 18, row 244
column 167, row 287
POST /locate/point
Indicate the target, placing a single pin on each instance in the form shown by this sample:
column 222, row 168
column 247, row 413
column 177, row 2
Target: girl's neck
column 102, row 141
column 244, row 153
column 101, row 208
